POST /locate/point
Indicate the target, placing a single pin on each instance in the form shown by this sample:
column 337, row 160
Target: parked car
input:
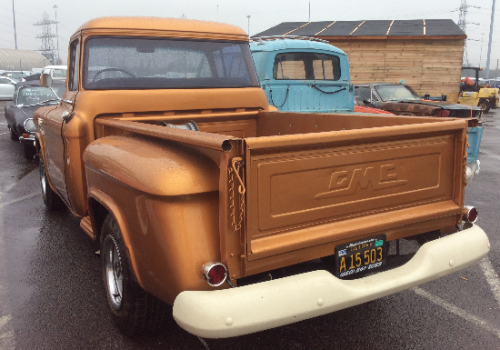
column 401, row 99
column 359, row 108
column 28, row 97
column 16, row 75
column 56, row 72
column 7, row 87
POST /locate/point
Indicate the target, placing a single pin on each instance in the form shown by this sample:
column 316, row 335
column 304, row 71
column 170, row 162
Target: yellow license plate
column 361, row 256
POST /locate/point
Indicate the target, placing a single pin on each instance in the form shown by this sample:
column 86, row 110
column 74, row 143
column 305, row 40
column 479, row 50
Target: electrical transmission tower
column 47, row 49
column 462, row 23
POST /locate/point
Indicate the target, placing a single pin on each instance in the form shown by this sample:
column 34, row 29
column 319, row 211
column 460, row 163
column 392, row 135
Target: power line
column 19, row 13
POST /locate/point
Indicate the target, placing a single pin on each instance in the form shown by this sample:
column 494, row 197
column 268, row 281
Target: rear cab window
column 306, row 66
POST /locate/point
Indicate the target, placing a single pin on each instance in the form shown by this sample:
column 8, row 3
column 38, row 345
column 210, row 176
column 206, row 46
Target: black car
column 401, row 99
column 28, row 97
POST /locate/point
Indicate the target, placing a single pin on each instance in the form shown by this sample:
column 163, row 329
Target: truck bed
column 310, row 182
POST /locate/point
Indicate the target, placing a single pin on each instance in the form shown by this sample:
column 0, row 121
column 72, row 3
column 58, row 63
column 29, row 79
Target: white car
column 7, row 87
column 56, row 72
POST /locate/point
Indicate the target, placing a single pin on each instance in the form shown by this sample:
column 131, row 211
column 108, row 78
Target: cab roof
column 175, row 26
column 278, row 44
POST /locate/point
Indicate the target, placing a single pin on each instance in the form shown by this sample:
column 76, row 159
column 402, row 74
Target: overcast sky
column 264, row 14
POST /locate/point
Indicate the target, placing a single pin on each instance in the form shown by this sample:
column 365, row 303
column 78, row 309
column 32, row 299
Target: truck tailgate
column 304, row 190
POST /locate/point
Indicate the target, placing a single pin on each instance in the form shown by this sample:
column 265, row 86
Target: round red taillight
column 470, row 214
column 215, row 273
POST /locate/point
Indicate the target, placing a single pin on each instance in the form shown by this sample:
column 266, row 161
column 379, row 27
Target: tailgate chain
column 236, row 166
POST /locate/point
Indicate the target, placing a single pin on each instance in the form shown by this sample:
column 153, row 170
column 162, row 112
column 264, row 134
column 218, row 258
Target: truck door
column 54, row 144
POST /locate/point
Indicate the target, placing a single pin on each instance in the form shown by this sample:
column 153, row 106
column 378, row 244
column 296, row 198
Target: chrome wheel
column 113, row 272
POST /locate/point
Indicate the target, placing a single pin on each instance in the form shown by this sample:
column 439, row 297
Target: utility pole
column 248, row 16
column 481, row 52
column 462, row 23
column 489, row 43
column 57, row 36
column 14, row 19
column 309, row 20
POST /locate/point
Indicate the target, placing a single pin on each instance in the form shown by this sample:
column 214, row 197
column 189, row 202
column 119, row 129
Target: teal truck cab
column 304, row 74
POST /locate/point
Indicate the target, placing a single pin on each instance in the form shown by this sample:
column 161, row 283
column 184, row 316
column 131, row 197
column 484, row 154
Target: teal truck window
column 306, row 66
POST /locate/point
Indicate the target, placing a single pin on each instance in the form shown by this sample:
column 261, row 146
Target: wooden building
column 426, row 54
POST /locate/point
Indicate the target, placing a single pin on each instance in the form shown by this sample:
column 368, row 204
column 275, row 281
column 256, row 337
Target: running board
column 86, row 226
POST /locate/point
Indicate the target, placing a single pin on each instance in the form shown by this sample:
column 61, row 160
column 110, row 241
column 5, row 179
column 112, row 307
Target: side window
column 362, row 94
column 74, row 55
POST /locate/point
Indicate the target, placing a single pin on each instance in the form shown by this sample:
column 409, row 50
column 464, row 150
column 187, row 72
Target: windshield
column 143, row 63
column 397, row 92
column 36, row 94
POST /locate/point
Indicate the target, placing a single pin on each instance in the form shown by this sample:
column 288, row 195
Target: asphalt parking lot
column 51, row 295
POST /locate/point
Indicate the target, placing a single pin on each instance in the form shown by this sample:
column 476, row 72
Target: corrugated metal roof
column 382, row 28
column 16, row 60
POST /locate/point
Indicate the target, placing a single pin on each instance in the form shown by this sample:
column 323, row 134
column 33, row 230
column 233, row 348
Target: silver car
column 7, row 86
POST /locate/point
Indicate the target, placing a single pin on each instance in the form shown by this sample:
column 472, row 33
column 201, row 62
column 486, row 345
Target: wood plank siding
column 429, row 66
column 427, row 54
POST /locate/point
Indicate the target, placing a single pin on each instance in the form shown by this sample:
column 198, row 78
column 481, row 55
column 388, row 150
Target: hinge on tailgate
column 236, row 167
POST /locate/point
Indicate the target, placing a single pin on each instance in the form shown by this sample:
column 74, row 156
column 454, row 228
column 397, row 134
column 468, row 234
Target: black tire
column 29, row 151
column 13, row 135
column 133, row 310
column 493, row 103
column 52, row 201
column 485, row 105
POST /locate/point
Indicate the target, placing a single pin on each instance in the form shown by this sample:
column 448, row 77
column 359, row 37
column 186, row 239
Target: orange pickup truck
column 200, row 194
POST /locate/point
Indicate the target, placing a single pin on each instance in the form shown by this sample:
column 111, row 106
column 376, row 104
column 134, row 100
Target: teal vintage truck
column 304, row 74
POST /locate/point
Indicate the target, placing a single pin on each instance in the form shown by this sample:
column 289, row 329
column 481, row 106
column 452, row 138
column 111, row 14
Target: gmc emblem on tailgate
column 343, row 183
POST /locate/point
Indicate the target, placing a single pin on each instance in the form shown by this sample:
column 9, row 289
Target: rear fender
column 165, row 199
column 114, row 209
column 153, row 166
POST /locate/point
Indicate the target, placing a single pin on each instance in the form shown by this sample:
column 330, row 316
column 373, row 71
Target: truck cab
column 303, row 74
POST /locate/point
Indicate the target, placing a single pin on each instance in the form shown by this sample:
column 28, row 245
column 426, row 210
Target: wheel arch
column 40, row 152
column 99, row 206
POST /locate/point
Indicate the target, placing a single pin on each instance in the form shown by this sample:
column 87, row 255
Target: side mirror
column 46, row 80
column 367, row 102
